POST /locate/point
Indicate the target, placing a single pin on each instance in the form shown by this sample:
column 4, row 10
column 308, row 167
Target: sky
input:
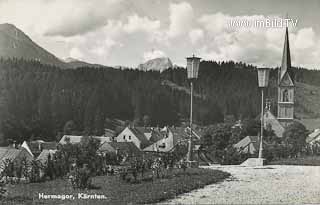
column 130, row 32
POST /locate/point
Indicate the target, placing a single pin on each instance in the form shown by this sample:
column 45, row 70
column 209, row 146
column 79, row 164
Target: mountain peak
column 70, row 60
column 8, row 25
column 156, row 64
column 12, row 31
column 14, row 43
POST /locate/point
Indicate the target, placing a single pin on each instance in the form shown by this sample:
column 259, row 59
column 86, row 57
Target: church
column 286, row 89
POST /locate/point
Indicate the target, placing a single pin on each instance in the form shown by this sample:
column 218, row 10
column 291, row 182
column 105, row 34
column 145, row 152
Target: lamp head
column 193, row 67
column 263, row 77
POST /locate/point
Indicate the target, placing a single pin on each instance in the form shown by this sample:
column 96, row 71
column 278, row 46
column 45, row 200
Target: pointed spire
column 286, row 59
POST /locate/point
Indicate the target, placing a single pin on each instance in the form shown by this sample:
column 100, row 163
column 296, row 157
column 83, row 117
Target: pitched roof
column 12, row 153
column 26, row 146
column 248, row 140
column 181, row 134
column 140, row 135
column 123, row 147
column 9, row 153
column 73, row 139
column 109, row 133
column 314, row 136
column 43, row 157
column 157, row 135
column 276, row 126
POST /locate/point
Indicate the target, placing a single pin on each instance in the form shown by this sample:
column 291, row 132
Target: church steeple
column 286, row 58
column 285, row 87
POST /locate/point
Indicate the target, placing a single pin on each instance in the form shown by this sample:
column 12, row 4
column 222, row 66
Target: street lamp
column 263, row 79
column 192, row 70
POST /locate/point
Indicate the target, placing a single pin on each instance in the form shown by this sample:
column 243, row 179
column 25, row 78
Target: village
column 133, row 142
column 189, row 103
column 138, row 154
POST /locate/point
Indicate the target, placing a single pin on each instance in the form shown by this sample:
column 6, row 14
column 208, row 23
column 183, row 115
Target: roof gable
column 286, row 80
column 140, row 136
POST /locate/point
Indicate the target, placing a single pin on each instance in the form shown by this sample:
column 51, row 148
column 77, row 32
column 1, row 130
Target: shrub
column 34, row 174
column 80, row 178
column 295, row 137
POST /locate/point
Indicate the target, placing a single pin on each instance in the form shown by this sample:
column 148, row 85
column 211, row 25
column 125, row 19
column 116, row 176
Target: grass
column 305, row 161
column 116, row 190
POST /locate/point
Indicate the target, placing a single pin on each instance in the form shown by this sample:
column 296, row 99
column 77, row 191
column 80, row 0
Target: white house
column 170, row 137
column 138, row 135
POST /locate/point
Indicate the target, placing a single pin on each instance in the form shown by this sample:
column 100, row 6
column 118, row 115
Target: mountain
column 16, row 44
column 75, row 63
column 157, row 64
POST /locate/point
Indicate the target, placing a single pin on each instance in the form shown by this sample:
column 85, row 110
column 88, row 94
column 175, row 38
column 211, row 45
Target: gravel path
column 265, row 185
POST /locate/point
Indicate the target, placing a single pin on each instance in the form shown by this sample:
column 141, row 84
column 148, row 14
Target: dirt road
column 266, row 185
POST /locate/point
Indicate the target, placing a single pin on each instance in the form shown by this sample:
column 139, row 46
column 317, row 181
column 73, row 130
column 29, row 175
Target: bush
column 295, row 138
column 34, row 174
column 80, row 178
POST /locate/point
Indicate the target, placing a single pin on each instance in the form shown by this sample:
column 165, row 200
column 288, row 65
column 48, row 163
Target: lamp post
column 192, row 70
column 263, row 79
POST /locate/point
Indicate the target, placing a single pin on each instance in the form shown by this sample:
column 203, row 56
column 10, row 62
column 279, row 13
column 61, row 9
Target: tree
column 217, row 139
column 69, row 127
column 295, row 137
column 146, row 120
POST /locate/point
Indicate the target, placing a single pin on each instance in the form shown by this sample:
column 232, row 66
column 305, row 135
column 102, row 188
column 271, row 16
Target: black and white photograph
column 159, row 102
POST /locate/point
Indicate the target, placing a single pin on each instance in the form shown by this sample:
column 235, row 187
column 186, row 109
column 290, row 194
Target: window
column 124, row 137
column 163, row 145
column 129, row 137
column 285, row 97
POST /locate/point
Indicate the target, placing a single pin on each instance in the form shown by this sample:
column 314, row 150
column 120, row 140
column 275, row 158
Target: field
column 116, row 190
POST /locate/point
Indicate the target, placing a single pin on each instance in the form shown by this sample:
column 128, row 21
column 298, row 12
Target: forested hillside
column 37, row 100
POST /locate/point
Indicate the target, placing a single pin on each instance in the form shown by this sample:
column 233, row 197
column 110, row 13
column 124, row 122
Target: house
column 313, row 137
column 43, row 157
column 248, row 145
column 138, row 135
column 73, row 139
column 37, row 146
column 15, row 156
column 171, row 137
column 122, row 148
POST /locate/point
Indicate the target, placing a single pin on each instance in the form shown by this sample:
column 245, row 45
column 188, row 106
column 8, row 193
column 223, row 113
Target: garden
column 80, row 169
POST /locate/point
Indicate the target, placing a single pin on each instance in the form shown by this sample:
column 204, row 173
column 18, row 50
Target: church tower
column 285, row 87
